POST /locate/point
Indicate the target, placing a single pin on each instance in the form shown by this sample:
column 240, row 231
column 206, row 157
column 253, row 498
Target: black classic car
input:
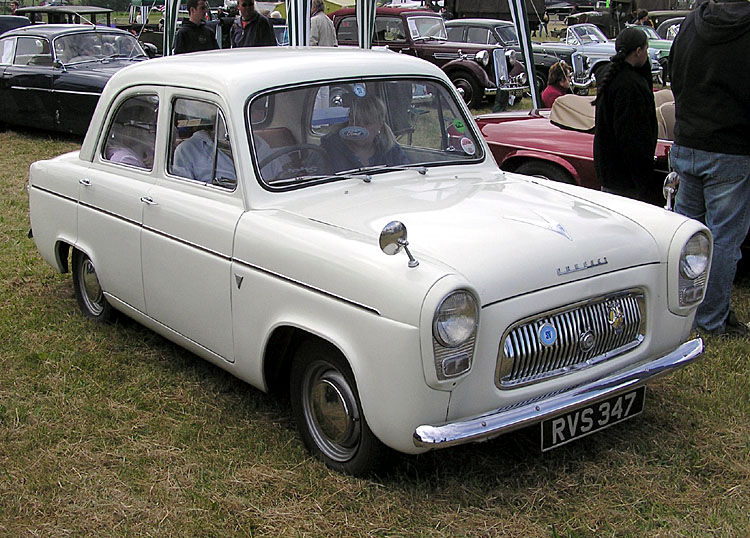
column 476, row 70
column 52, row 75
column 503, row 33
column 8, row 22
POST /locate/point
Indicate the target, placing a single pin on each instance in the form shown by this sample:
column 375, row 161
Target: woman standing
column 626, row 130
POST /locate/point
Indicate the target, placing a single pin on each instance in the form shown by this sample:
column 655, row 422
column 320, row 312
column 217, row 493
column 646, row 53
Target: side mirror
column 57, row 64
column 393, row 240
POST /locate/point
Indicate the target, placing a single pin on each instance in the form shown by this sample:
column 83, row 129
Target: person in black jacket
column 710, row 71
column 194, row 35
column 625, row 131
column 251, row 29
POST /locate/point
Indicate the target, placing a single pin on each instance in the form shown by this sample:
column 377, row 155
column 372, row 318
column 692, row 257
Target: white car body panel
column 222, row 272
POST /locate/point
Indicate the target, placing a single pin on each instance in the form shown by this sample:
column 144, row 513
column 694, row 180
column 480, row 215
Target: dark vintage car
column 9, row 22
column 503, row 33
column 50, row 14
column 558, row 143
column 53, row 74
column 477, row 71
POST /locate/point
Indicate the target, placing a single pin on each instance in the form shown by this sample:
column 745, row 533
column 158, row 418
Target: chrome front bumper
column 483, row 427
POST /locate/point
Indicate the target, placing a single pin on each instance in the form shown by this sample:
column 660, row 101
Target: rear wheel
column 88, row 291
column 545, row 170
column 328, row 413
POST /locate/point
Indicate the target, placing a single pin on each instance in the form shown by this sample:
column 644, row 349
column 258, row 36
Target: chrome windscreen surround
column 570, row 338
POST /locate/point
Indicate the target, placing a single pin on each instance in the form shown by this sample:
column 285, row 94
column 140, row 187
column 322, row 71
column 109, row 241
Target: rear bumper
column 487, row 426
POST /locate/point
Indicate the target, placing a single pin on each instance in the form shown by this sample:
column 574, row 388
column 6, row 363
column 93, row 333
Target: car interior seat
column 665, row 119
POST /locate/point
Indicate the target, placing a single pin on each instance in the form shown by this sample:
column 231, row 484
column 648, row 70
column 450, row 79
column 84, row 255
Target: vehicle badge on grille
column 615, row 317
column 587, row 340
column 547, row 334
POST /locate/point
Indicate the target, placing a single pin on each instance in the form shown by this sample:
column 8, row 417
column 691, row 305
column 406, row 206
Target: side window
column 347, row 30
column 32, row 51
column 6, row 50
column 200, row 148
column 455, row 33
column 479, row 35
column 388, row 29
column 132, row 133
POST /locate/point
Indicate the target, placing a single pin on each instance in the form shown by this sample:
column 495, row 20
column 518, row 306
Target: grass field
column 113, row 431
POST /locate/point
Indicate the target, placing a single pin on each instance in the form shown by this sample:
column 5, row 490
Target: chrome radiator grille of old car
column 570, row 338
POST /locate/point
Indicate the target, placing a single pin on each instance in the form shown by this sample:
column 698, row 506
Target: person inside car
column 365, row 140
column 558, row 83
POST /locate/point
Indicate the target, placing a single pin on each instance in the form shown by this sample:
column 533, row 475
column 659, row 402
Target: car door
column 188, row 226
column 28, row 84
column 113, row 191
column 7, row 51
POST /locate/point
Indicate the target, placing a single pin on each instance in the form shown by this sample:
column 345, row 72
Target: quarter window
column 132, row 133
column 6, row 49
column 200, row 148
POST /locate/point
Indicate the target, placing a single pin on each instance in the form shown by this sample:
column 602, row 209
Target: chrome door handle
column 84, row 181
column 148, row 200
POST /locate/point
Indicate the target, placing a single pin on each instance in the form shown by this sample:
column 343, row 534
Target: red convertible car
column 558, row 143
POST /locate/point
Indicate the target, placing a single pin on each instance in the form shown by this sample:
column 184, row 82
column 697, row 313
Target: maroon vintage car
column 558, row 143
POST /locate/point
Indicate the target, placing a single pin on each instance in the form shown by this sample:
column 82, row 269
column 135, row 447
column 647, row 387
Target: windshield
column 591, row 34
column 427, row 27
column 337, row 130
column 650, row 32
column 507, row 34
column 95, row 46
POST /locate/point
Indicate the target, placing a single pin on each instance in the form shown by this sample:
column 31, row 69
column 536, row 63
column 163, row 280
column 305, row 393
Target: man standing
column 251, row 29
column 13, row 7
column 322, row 32
column 710, row 72
column 194, row 35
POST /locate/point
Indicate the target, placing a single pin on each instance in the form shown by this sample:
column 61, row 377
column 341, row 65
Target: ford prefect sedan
column 257, row 215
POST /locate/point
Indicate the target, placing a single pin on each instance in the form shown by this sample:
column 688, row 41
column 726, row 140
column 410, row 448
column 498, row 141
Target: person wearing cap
column 193, row 34
column 625, row 129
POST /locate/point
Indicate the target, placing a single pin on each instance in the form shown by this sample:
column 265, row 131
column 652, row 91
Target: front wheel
column 88, row 291
column 468, row 87
column 328, row 413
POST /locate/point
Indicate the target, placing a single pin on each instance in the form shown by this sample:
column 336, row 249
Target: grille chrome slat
column 523, row 359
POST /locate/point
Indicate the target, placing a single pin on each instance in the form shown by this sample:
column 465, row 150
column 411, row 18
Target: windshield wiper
column 365, row 173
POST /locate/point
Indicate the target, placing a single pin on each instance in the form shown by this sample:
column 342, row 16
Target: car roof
column 237, row 74
column 67, row 10
column 53, row 30
column 395, row 11
column 488, row 23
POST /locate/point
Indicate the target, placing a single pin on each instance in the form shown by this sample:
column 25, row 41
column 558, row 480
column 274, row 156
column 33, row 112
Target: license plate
column 590, row 419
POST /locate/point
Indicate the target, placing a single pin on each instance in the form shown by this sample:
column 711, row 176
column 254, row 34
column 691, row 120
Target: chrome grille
column 586, row 333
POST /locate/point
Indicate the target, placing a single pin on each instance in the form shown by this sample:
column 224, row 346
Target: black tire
column 88, row 291
column 541, row 80
column 468, row 87
column 545, row 170
column 322, row 387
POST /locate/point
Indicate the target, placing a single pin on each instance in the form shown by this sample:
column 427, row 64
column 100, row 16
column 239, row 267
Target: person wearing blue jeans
column 715, row 189
column 711, row 153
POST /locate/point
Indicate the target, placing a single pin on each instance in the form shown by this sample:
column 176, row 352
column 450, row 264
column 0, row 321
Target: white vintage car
column 253, row 207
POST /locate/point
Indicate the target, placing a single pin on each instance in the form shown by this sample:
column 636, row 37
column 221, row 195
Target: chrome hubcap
column 331, row 412
column 92, row 291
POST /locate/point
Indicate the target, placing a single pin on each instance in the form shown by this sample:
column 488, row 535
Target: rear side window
column 32, row 51
column 132, row 133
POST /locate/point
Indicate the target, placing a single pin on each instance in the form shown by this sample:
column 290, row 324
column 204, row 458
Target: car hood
column 507, row 234
column 602, row 49
column 552, row 48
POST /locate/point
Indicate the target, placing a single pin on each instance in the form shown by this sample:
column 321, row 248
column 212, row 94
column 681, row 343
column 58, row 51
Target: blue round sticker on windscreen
column 359, row 90
column 547, row 334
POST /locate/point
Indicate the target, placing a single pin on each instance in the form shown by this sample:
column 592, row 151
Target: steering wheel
column 313, row 168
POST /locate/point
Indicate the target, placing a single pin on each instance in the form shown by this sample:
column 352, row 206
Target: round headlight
column 455, row 319
column 694, row 256
column 483, row 57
